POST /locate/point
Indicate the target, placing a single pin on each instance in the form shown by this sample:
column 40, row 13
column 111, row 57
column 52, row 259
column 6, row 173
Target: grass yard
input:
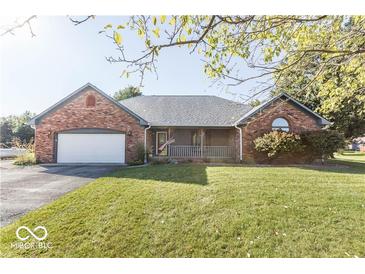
column 206, row 211
column 351, row 156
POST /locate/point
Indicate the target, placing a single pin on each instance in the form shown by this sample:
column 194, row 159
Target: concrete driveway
column 26, row 188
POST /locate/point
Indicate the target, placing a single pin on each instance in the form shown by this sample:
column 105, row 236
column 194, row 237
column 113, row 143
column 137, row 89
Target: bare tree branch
column 18, row 25
column 78, row 22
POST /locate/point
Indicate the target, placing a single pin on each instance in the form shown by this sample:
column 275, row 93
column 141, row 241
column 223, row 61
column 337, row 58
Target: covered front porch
column 193, row 143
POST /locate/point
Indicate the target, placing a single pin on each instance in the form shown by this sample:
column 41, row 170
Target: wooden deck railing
column 218, row 152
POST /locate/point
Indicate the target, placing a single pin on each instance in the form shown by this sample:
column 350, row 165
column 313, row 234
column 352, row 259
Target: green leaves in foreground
column 319, row 60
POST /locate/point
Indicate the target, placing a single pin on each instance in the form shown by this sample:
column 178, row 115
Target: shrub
column 140, row 156
column 323, row 143
column 140, row 153
column 25, row 159
column 28, row 158
column 277, row 142
column 135, row 163
column 18, row 143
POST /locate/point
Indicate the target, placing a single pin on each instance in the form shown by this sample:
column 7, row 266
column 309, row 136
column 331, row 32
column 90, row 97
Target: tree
column 320, row 59
column 16, row 126
column 126, row 93
column 338, row 95
column 6, row 132
column 323, row 143
column 335, row 90
column 25, row 133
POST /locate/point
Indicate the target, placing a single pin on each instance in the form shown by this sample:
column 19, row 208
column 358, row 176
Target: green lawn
column 351, row 156
column 206, row 211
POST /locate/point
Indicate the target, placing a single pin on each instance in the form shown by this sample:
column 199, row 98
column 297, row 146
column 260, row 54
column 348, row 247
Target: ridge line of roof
column 170, row 95
column 177, row 95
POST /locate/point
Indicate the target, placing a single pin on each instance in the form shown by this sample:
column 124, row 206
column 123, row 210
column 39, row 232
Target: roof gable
column 35, row 120
column 322, row 121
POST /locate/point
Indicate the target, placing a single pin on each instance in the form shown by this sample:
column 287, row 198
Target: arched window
column 280, row 124
column 90, row 101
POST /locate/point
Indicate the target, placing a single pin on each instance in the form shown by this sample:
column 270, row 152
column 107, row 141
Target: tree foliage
column 16, row 126
column 332, row 84
column 318, row 59
column 126, row 93
column 323, row 143
column 344, row 108
column 6, row 132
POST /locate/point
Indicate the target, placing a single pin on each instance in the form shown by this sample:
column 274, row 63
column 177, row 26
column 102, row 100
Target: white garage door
column 91, row 148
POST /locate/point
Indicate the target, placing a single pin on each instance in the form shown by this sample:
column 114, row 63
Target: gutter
column 240, row 130
column 145, row 142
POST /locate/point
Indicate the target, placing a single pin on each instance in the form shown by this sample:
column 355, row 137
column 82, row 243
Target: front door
column 161, row 139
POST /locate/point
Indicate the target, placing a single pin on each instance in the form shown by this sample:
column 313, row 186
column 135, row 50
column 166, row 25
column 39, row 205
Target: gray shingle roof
column 184, row 110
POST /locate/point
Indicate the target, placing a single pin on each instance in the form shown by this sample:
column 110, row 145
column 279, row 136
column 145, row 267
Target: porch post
column 240, row 132
column 201, row 142
column 168, row 146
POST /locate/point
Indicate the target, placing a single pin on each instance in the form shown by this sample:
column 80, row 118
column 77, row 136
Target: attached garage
column 91, row 146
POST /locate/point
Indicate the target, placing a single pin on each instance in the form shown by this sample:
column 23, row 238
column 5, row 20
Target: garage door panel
column 91, row 148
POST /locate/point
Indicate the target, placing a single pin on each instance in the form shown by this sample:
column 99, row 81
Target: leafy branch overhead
column 270, row 44
column 320, row 60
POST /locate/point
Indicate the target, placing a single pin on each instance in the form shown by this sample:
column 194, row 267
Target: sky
column 37, row 72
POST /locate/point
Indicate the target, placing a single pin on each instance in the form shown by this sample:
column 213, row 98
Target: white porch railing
column 218, row 152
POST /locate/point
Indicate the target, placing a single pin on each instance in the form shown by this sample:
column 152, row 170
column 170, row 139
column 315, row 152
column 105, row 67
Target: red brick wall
column 299, row 121
column 75, row 114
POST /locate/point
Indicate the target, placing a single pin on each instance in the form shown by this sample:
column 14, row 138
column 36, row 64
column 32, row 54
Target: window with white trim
column 280, row 124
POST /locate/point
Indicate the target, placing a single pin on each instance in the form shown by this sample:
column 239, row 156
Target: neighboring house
column 88, row 126
column 358, row 144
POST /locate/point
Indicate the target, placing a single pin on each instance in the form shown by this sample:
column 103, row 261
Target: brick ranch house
column 88, row 126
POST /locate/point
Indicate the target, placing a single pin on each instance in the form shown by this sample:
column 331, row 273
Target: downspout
column 240, row 130
column 145, row 142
